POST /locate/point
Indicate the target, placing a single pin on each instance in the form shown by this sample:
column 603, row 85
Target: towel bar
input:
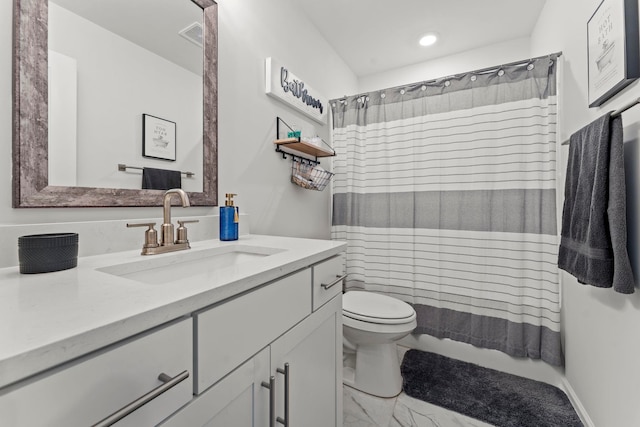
column 617, row 112
column 123, row 167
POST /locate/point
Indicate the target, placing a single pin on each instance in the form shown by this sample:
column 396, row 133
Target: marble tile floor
column 364, row 410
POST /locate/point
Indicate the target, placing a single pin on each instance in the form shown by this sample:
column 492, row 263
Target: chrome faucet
column 167, row 242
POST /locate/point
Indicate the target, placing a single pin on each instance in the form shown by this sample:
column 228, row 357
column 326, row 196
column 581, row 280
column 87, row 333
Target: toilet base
column 377, row 370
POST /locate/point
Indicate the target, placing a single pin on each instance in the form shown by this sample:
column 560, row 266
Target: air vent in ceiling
column 193, row 33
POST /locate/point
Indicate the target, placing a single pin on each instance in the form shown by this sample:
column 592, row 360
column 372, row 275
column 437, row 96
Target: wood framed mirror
column 30, row 120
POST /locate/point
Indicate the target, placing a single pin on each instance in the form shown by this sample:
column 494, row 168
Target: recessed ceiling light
column 428, row 39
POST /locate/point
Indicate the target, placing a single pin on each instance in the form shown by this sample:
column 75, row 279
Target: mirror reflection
column 110, row 63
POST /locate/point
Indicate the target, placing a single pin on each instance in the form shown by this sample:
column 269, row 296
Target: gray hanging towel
column 160, row 179
column 593, row 245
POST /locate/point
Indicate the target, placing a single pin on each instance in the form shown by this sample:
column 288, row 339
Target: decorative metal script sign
column 282, row 84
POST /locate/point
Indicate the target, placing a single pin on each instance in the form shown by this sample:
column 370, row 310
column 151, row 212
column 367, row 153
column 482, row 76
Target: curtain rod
column 122, row 168
column 617, row 112
column 522, row 62
column 479, row 71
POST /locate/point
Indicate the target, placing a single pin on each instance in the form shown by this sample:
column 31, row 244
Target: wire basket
column 309, row 176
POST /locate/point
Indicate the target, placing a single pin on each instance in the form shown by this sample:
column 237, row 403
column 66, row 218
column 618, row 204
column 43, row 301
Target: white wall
column 250, row 30
column 601, row 327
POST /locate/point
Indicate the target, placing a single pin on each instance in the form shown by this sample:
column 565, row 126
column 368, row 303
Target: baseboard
column 577, row 405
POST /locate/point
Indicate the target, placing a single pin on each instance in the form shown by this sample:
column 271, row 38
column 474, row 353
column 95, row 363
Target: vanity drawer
column 90, row 390
column 233, row 331
column 326, row 280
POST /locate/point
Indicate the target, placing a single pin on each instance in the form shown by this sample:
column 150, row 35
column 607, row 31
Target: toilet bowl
column 372, row 323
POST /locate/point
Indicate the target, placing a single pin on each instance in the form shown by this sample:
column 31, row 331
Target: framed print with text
column 612, row 52
column 158, row 138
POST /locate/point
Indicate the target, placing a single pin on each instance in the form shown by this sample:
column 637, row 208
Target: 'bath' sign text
column 285, row 86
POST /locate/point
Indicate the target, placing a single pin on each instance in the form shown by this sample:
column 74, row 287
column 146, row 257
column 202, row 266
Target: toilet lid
column 377, row 308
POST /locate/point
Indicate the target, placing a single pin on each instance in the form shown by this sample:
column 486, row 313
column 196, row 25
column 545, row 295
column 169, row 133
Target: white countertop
column 48, row 319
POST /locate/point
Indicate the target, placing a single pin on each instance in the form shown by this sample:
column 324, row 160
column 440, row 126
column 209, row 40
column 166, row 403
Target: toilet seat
column 376, row 308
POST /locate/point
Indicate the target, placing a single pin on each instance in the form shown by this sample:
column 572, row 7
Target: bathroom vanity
column 244, row 333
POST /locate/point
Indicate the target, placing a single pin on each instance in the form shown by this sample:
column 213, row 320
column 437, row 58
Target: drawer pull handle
column 271, row 385
column 285, row 372
column 335, row 282
column 169, row 383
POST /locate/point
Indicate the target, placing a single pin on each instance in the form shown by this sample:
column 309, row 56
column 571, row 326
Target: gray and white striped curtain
column 445, row 194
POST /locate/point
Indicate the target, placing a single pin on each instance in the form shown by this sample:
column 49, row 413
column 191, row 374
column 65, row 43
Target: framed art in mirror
column 158, row 138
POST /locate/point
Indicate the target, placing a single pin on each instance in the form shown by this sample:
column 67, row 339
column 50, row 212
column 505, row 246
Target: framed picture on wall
column 612, row 53
column 158, row 138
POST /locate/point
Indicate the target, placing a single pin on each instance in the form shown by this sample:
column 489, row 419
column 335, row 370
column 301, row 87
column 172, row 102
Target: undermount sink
column 188, row 264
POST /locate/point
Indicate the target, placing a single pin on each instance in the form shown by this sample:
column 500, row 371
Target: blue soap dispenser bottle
column 229, row 219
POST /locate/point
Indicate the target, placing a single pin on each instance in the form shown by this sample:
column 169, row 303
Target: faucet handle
column 150, row 236
column 182, row 230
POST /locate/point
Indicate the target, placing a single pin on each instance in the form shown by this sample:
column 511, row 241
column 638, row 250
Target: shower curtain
column 445, row 194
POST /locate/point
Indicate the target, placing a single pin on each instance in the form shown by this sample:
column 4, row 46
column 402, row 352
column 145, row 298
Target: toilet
column 372, row 323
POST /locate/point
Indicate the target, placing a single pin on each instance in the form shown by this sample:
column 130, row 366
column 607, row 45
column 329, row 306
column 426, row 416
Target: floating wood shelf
column 300, row 146
column 304, row 147
column 305, row 172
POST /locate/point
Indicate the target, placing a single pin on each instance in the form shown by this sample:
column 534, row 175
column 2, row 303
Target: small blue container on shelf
column 229, row 219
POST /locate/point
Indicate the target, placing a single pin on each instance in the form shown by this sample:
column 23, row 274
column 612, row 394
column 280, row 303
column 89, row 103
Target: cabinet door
column 83, row 393
column 314, row 369
column 238, row 400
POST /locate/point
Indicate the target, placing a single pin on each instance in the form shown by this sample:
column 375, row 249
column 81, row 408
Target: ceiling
column 153, row 24
column 373, row 36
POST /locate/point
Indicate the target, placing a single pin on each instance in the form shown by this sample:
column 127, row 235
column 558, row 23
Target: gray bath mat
column 494, row 397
